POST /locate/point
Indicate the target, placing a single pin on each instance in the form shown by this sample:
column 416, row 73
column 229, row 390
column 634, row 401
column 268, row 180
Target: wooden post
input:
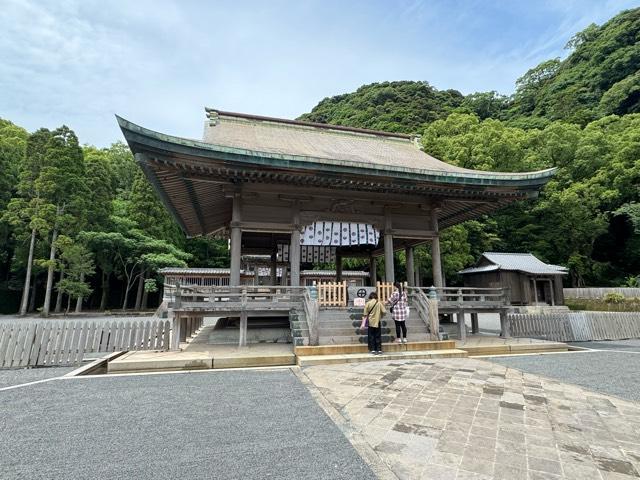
column 236, row 242
column 434, row 318
column 553, row 300
column 410, row 272
column 462, row 327
column 274, row 269
column 338, row 266
column 535, row 292
column 436, row 263
column 389, row 269
column 504, row 325
column 373, row 274
column 242, row 341
column 474, row 323
column 283, row 279
column 294, row 249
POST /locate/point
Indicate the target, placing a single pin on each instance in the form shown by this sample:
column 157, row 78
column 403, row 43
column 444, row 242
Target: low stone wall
column 576, row 326
column 600, row 292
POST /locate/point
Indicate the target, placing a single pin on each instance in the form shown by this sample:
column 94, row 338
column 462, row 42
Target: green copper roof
column 262, row 142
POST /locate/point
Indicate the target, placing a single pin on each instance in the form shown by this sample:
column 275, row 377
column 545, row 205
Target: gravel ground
column 222, row 425
column 611, row 373
column 26, row 375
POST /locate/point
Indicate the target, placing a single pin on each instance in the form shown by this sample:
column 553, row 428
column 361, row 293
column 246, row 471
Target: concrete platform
column 144, row 361
column 310, row 360
column 477, row 345
column 206, row 357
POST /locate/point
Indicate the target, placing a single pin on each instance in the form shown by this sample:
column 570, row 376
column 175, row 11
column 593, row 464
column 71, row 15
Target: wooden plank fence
column 576, row 326
column 384, row 291
column 595, row 293
column 332, row 294
column 58, row 343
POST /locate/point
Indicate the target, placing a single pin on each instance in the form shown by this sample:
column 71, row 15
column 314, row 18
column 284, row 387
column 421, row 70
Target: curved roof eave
column 138, row 135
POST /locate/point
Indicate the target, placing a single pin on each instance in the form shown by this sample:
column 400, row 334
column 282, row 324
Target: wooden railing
column 472, row 296
column 311, row 308
column 246, row 297
column 332, row 294
column 427, row 309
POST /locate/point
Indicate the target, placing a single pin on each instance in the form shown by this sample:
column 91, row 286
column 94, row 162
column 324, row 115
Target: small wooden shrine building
column 530, row 281
column 267, row 184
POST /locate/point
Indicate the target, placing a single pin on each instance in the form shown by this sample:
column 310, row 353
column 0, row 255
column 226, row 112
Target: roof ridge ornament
column 213, row 117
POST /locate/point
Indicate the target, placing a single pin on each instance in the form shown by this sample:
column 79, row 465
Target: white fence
column 600, row 292
column 576, row 326
column 56, row 343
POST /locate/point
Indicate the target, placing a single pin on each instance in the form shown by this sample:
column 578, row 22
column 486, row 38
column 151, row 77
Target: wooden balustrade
column 332, row 294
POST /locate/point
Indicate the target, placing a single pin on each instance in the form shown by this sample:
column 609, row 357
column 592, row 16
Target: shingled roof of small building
column 521, row 262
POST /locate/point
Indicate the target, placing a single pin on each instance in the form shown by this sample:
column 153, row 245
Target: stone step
column 362, row 348
column 307, row 361
column 349, row 339
column 356, row 323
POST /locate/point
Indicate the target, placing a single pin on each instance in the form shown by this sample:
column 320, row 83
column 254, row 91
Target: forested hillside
column 81, row 222
column 577, row 114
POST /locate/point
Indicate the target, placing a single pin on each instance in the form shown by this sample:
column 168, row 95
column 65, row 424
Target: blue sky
column 158, row 63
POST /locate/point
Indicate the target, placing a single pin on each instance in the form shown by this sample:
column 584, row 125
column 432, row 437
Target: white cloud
column 160, row 62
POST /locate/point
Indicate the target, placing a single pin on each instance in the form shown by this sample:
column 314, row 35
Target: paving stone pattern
column 472, row 419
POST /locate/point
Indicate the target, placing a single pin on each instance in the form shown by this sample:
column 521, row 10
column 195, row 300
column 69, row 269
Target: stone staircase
column 341, row 326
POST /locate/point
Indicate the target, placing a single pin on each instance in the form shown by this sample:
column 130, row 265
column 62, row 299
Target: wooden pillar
column 236, row 242
column 389, row 269
column 474, row 323
column 283, row 279
column 274, row 269
column 535, row 292
column 294, row 249
column 462, row 328
column 504, row 325
column 410, row 272
column 373, row 273
column 338, row 266
column 256, row 274
column 435, row 251
column 242, row 337
column 176, row 333
column 553, row 300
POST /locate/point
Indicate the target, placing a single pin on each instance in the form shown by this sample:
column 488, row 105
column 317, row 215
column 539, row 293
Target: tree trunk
column 126, row 298
column 105, row 291
column 140, row 290
column 145, row 296
column 52, row 256
column 32, row 300
column 79, row 299
column 126, row 291
column 27, row 279
column 68, row 304
column 58, row 308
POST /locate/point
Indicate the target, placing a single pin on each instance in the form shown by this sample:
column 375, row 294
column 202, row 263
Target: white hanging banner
column 339, row 234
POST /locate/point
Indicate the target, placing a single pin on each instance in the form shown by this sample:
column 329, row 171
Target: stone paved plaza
column 473, row 419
